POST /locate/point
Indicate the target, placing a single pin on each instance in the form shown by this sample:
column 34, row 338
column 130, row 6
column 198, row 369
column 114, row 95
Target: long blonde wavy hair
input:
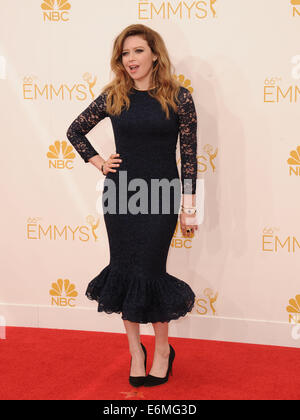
column 166, row 86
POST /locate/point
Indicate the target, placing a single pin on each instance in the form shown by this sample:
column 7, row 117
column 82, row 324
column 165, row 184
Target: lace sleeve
column 188, row 141
column 77, row 131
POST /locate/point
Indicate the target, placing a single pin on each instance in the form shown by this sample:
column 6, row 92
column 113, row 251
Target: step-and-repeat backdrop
column 241, row 61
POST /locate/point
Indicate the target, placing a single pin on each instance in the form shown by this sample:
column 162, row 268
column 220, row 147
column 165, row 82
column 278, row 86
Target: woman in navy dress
column 148, row 108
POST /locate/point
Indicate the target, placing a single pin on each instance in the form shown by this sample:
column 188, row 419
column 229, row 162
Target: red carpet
column 51, row 364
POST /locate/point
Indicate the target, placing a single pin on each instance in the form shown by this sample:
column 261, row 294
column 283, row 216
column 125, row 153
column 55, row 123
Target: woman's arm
column 188, row 146
column 77, row 131
column 188, row 151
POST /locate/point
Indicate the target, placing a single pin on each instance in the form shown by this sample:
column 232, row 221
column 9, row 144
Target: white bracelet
column 189, row 210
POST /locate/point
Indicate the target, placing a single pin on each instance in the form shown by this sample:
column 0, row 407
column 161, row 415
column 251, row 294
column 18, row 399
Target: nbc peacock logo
column 296, row 7
column 63, row 293
column 61, row 155
column 294, row 310
column 179, row 241
column 294, row 162
column 184, row 82
column 56, row 10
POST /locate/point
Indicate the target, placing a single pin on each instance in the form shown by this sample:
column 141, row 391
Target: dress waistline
column 148, row 154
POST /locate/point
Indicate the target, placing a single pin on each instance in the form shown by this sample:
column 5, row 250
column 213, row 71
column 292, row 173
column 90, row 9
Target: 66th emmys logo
column 177, row 9
column 276, row 242
column 56, row 10
column 34, row 89
column 276, row 91
column 36, row 229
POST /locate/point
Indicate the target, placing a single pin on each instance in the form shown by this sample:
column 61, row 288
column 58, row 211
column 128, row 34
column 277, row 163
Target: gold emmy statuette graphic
column 87, row 77
column 212, row 299
column 60, row 288
column 209, row 150
column 206, row 305
column 94, row 225
column 212, row 2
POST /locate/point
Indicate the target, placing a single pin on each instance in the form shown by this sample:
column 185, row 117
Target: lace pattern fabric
column 187, row 129
column 188, row 141
column 81, row 126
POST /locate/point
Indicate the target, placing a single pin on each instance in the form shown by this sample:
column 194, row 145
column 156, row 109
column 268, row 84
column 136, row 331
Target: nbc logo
column 180, row 241
column 294, row 316
column 184, row 82
column 61, row 155
column 56, row 10
column 294, row 162
column 294, row 310
column 63, row 293
column 296, row 7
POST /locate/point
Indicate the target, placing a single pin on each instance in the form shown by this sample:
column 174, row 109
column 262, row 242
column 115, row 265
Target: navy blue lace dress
column 135, row 282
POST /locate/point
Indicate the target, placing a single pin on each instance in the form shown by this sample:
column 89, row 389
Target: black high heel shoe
column 155, row 380
column 138, row 380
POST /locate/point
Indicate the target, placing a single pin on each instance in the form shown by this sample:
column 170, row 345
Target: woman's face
column 136, row 52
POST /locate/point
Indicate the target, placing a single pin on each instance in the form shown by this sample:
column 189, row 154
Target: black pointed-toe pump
column 155, row 380
column 138, row 380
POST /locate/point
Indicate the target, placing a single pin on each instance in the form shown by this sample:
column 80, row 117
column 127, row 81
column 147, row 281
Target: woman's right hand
column 110, row 163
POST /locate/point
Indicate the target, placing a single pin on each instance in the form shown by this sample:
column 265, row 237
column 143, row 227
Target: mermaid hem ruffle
column 140, row 298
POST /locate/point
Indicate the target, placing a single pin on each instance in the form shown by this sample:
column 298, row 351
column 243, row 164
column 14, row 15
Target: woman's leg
column 135, row 348
column 162, row 350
